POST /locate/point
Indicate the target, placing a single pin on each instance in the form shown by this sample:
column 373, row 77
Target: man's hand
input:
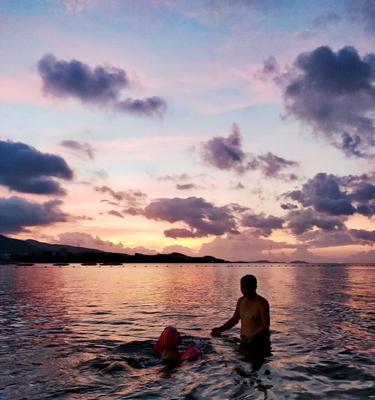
column 216, row 332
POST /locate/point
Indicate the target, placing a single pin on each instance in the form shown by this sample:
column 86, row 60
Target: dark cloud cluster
column 81, row 148
column 25, row 169
column 335, row 195
column 101, row 86
column 16, row 214
column 76, row 79
column 334, row 93
column 226, row 153
column 301, row 221
column 323, row 205
column 324, row 194
column 202, row 218
column 264, row 224
column 363, row 235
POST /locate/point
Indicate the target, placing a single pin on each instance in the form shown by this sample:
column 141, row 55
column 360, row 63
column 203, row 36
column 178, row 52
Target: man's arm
column 264, row 322
column 230, row 323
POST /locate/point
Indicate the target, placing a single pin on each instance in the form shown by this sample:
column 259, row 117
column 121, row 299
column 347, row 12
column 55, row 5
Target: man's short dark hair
column 249, row 281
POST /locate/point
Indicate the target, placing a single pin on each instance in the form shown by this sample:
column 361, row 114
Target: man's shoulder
column 262, row 300
column 239, row 301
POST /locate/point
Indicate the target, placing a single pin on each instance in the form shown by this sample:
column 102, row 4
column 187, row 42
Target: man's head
column 248, row 285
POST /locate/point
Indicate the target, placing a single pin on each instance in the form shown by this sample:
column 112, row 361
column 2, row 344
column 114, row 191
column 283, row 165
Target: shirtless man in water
column 253, row 311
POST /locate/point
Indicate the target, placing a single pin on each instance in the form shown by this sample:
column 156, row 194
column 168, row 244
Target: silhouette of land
column 32, row 251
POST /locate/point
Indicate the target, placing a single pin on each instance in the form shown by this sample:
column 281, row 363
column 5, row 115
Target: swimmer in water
column 253, row 312
column 167, row 347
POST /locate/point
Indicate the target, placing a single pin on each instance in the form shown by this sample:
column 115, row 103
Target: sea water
column 87, row 332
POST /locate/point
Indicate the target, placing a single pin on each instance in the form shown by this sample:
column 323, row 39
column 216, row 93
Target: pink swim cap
column 169, row 339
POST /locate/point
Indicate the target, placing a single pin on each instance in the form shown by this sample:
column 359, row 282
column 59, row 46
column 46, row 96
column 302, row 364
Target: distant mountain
column 15, row 250
column 16, row 246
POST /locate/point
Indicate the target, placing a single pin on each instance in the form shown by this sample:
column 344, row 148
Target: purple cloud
column 16, row 214
column 363, row 235
column 101, row 86
column 176, row 233
column 324, row 194
column 271, row 165
column 115, row 213
column 76, row 79
column 226, row 153
column 132, row 197
column 336, row 195
column 264, row 224
column 334, row 93
column 149, row 106
column 202, row 217
column 27, row 170
column 301, row 221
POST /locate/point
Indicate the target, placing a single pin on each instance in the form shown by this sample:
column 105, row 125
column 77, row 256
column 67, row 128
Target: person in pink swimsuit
column 167, row 347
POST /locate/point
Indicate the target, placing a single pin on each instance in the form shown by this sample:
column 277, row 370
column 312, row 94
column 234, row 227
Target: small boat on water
column 25, row 264
column 60, row 264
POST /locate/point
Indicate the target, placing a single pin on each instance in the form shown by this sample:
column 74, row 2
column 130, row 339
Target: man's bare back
column 252, row 310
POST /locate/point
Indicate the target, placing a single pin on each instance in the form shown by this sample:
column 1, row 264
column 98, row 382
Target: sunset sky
column 242, row 129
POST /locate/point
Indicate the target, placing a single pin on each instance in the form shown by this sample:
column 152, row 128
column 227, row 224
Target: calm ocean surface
column 86, row 332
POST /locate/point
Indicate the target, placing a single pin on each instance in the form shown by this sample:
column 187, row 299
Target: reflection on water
column 87, row 332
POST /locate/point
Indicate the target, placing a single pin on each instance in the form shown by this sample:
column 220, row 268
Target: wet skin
column 253, row 312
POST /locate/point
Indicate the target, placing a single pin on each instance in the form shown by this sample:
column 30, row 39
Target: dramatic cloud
column 75, row 79
column 264, row 224
column 301, row 221
column 334, row 93
column 226, row 153
column 17, row 214
column 100, row 86
column 83, row 148
column 337, row 195
column 362, row 234
column 25, row 169
column 202, row 217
